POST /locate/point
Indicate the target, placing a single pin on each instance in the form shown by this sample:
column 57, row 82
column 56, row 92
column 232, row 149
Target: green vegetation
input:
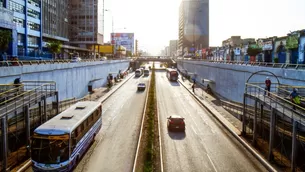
column 254, row 50
column 276, row 60
column 5, row 39
column 54, row 47
column 149, row 154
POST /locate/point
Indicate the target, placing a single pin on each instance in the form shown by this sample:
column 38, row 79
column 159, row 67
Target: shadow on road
column 174, row 83
column 176, row 135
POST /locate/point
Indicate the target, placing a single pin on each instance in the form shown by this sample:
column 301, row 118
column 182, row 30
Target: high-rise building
column 173, row 46
column 193, row 25
column 85, row 18
column 55, row 24
column 23, row 19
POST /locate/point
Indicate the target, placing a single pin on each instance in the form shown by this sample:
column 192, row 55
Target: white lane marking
column 212, row 162
column 194, row 130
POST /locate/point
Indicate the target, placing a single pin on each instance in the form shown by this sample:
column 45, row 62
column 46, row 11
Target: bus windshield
column 50, row 149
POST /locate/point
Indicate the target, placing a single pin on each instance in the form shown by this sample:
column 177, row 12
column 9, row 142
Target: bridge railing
column 248, row 63
column 276, row 101
column 33, row 92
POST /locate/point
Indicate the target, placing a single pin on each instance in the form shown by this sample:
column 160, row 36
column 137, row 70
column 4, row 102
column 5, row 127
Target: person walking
column 268, row 86
column 193, row 87
column 295, row 98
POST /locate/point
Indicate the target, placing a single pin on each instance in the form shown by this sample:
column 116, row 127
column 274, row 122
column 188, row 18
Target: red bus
column 172, row 74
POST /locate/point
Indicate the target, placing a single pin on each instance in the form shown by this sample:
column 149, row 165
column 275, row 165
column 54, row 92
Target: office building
column 193, row 26
column 173, row 47
column 23, row 19
column 85, row 19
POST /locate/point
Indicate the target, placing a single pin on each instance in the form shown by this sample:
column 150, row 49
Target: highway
column 116, row 143
column 205, row 145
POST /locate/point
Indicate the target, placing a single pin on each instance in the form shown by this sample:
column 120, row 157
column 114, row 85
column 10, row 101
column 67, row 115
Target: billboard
column 123, row 39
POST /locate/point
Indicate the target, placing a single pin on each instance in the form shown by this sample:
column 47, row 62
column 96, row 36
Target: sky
column 155, row 22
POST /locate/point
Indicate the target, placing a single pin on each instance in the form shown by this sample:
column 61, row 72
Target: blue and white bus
column 58, row 144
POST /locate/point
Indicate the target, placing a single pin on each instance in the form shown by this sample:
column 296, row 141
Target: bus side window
column 90, row 119
column 73, row 140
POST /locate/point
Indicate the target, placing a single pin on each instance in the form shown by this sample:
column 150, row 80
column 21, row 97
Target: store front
column 292, row 44
column 6, row 24
column 302, row 50
column 267, row 47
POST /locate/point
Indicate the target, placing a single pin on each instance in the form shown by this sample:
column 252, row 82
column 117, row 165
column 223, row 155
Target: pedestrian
column 193, row 87
column 268, row 86
column 294, row 97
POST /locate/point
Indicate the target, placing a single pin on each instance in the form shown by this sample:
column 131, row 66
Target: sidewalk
column 214, row 106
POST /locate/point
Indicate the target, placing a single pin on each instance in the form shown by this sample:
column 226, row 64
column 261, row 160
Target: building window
column 33, row 41
column 33, row 13
column 33, row 26
column 20, row 38
column 18, row 21
column 34, row 2
column 13, row 6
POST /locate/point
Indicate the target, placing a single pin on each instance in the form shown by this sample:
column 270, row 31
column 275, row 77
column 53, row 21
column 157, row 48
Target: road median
column 148, row 152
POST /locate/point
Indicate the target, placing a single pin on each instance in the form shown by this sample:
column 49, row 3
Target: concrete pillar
column 40, row 112
column 244, row 116
column 4, row 142
column 294, row 145
column 255, row 123
column 271, row 135
column 57, row 102
column 27, row 125
column 44, row 99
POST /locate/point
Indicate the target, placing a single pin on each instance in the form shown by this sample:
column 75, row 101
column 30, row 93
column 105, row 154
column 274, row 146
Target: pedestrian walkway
column 214, row 106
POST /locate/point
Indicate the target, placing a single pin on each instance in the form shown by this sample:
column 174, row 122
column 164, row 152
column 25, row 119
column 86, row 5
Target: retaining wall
column 71, row 79
column 230, row 79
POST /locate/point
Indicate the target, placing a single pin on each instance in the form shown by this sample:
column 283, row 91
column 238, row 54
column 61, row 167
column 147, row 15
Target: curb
column 102, row 100
column 222, row 121
column 141, row 129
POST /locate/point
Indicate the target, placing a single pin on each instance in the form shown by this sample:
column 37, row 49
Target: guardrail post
column 57, row 102
column 4, row 143
column 244, row 116
column 271, row 135
column 27, row 126
column 255, row 123
column 40, row 112
column 44, row 99
column 294, row 145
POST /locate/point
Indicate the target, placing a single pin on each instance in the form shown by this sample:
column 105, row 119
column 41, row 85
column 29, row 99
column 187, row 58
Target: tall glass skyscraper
column 193, row 25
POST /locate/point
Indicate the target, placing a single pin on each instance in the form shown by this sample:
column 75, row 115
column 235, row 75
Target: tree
column 54, row 47
column 5, row 39
column 254, row 50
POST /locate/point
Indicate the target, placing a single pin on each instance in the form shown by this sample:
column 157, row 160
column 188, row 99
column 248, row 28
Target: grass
column 150, row 116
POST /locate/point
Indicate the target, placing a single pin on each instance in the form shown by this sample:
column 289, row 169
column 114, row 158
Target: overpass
column 136, row 63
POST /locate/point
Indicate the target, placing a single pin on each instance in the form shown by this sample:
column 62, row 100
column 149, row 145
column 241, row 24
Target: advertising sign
column 267, row 45
column 123, row 39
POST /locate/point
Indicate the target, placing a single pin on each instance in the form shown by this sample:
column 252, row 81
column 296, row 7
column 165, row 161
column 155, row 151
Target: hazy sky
column 155, row 22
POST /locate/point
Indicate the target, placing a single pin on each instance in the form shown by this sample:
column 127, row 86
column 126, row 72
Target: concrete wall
column 230, row 79
column 71, row 78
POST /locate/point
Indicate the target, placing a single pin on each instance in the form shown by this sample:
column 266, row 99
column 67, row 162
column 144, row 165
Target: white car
column 76, row 59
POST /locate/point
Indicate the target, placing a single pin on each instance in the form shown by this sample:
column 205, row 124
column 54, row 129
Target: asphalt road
column 205, row 145
column 116, row 143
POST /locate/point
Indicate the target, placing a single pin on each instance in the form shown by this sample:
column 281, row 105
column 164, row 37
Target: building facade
column 193, row 25
column 23, row 19
column 85, row 28
column 173, row 47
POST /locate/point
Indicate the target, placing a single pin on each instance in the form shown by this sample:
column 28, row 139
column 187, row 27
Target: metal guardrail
column 33, row 90
column 247, row 63
column 41, row 62
column 278, row 102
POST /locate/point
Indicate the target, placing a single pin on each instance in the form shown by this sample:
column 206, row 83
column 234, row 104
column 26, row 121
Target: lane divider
column 243, row 142
column 141, row 129
column 102, row 100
